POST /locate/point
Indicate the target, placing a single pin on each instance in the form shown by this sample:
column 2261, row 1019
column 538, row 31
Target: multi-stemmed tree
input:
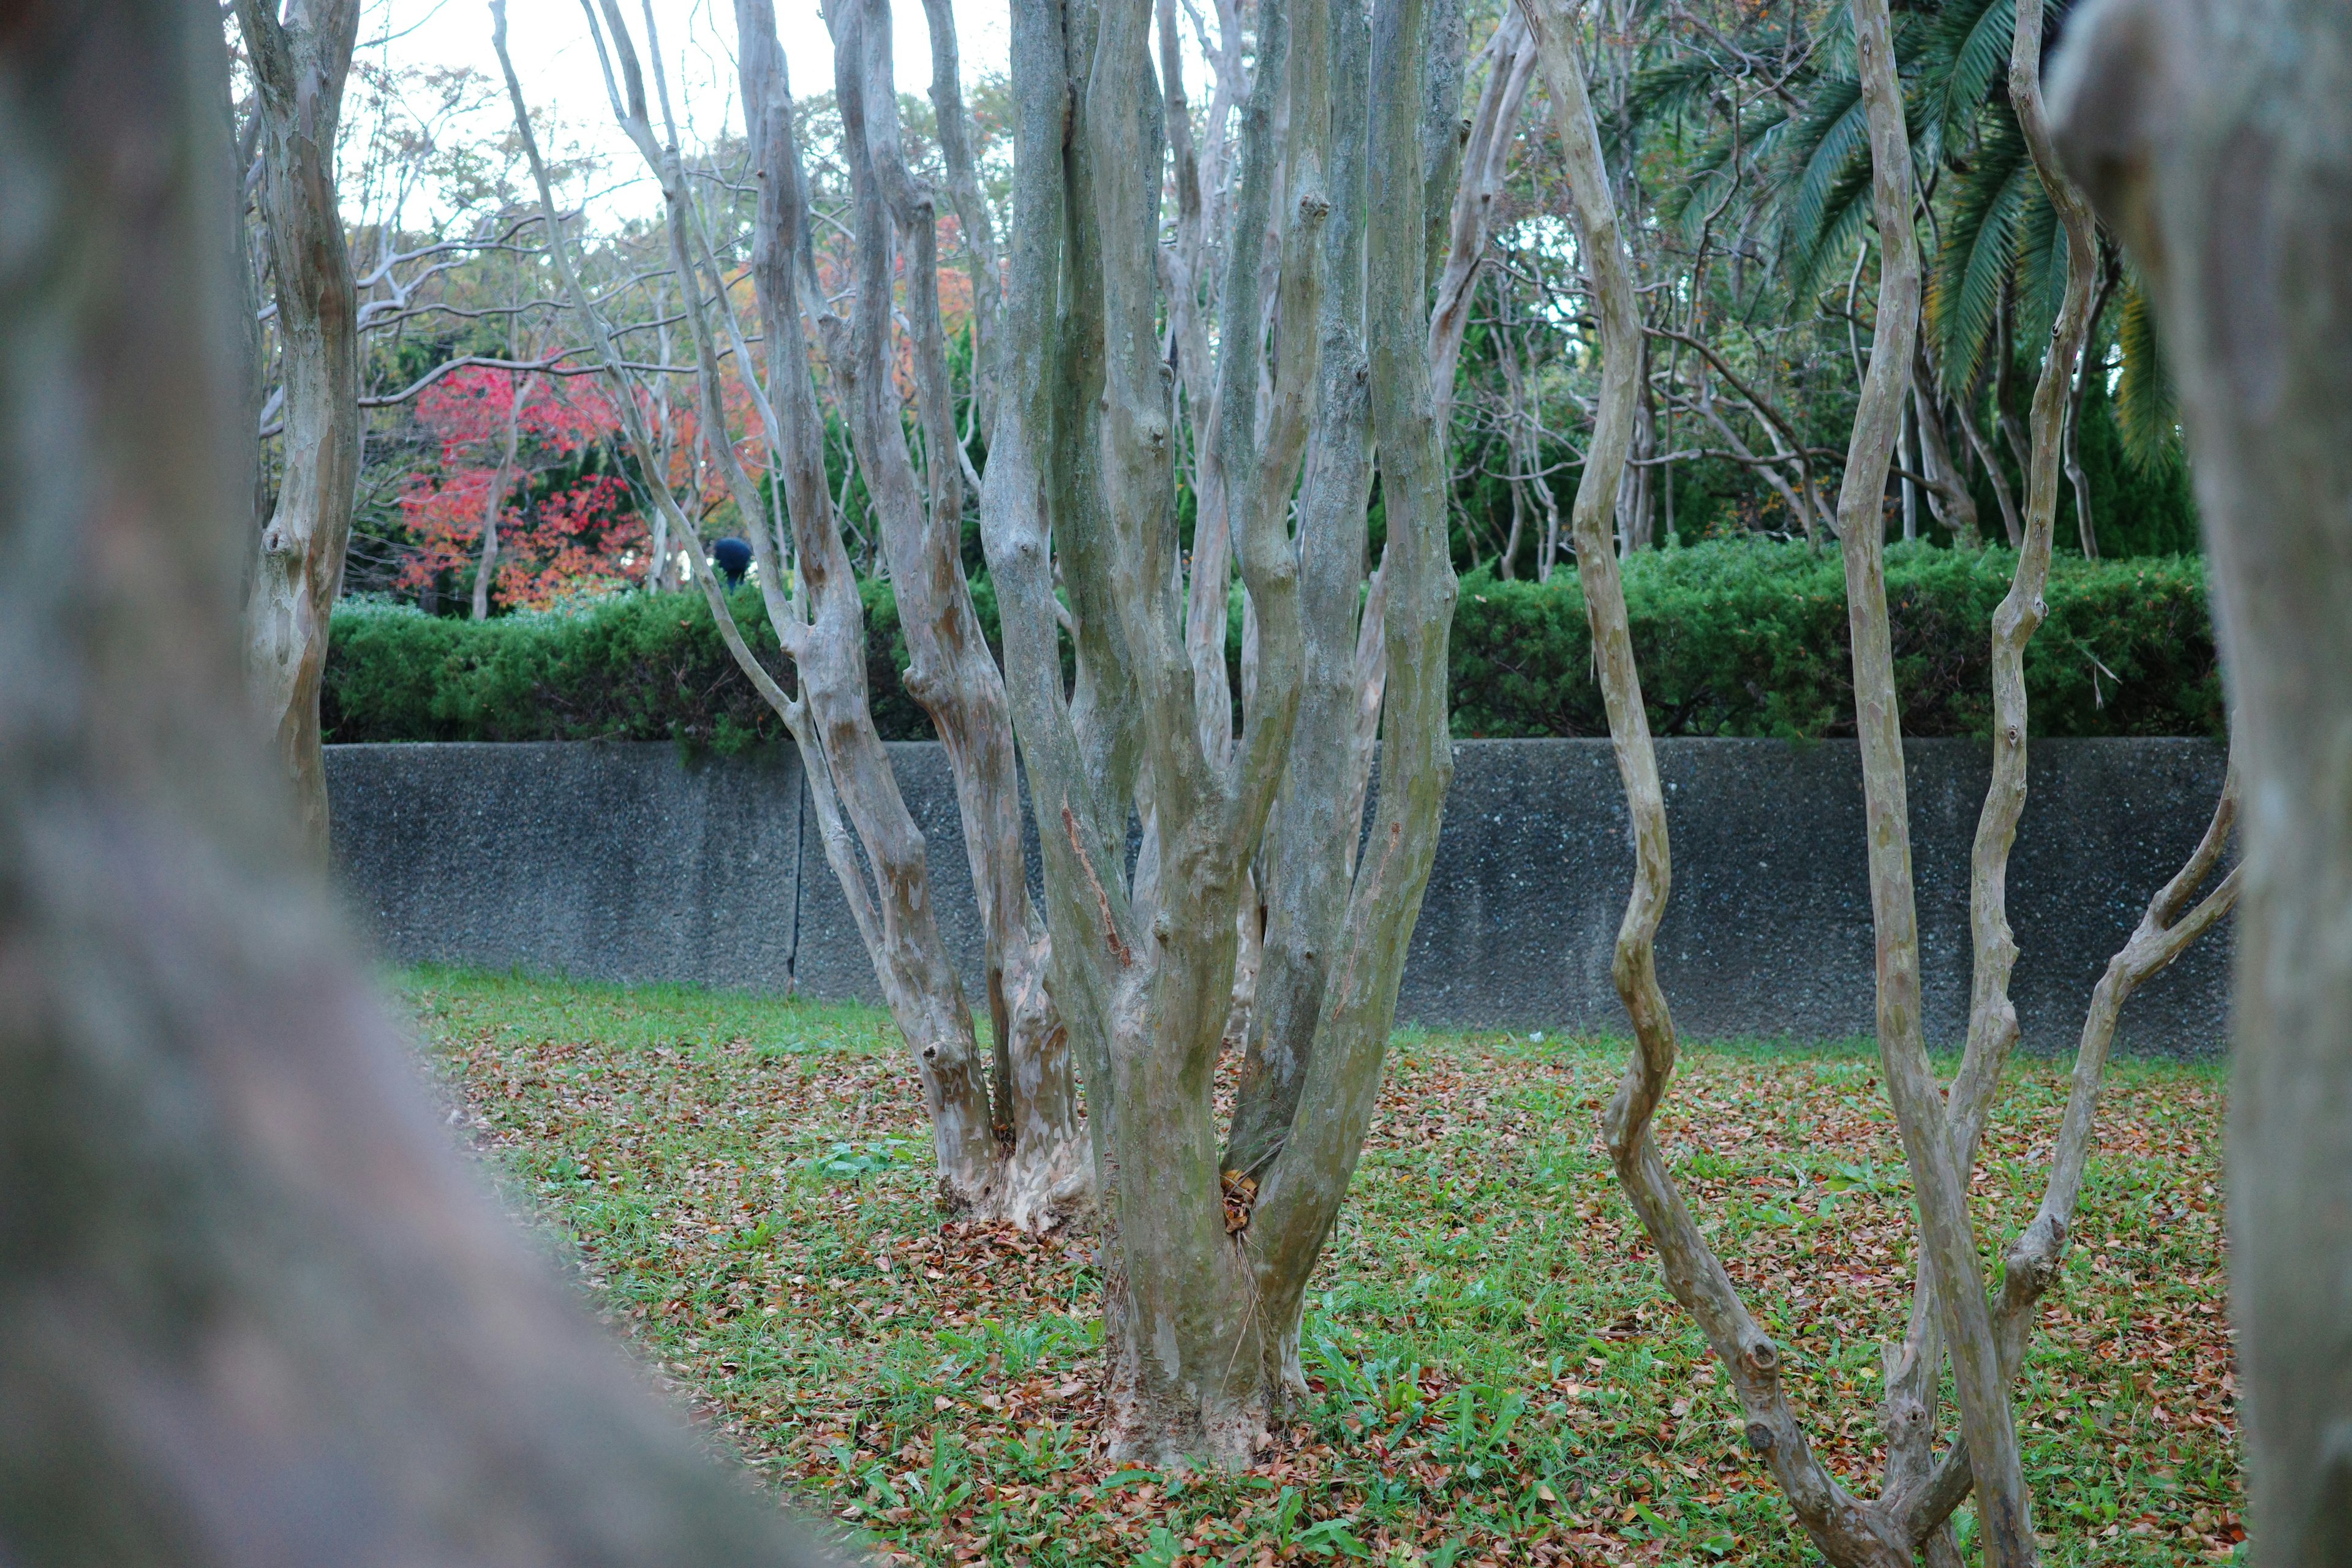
column 1206, row 1257
column 1984, row 1340
column 1004, row 1130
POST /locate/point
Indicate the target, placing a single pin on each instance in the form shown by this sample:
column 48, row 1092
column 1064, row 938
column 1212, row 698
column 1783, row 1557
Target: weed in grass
column 1496, row 1372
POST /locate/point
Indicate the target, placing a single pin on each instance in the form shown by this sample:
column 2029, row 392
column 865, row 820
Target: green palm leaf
column 1761, row 130
column 1971, row 49
column 2041, row 270
column 1828, row 137
column 1678, row 86
column 2145, row 415
column 1978, row 257
column 1844, row 221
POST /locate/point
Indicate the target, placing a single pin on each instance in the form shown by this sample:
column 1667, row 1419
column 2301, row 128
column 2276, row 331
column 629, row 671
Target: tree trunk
column 2218, row 140
column 1913, row 1374
column 1947, row 490
column 1636, row 505
column 1486, row 161
column 258, row 1308
column 1909, row 462
column 1947, row 1238
column 2076, row 477
column 1206, row 1262
column 1851, row 1533
column 953, row 674
column 862, row 819
column 494, row 502
column 298, row 69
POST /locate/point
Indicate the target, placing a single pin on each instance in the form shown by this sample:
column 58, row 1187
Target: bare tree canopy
column 255, row 1307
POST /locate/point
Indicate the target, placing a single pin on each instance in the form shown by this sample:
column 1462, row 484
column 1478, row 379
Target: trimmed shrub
column 1734, row 638
column 640, row 666
column 1745, row 638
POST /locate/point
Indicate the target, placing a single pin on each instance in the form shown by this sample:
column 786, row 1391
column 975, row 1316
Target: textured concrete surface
column 1768, row 930
column 832, row 960
column 609, row 862
column 624, row 862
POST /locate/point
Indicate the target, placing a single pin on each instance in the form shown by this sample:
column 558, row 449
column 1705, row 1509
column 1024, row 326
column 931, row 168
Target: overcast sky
column 553, row 56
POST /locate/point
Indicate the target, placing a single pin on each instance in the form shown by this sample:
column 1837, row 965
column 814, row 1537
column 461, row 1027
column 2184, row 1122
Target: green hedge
column 1733, row 638
column 1740, row 638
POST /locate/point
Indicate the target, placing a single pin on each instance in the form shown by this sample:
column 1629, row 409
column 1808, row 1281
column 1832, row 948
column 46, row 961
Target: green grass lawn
column 1499, row 1374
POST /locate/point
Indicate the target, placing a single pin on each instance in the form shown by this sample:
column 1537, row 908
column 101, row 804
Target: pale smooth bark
column 2085, row 534
column 953, row 675
column 948, row 125
column 2217, row 141
column 1510, row 64
column 1850, row 1532
column 1912, row 1372
column 2171, row 923
column 298, row 67
column 1948, row 489
column 258, row 1308
column 1205, row 1267
column 819, row 623
column 502, row 480
column 1939, row 1181
column 1909, row 1517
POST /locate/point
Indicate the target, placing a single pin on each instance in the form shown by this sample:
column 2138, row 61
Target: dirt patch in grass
column 1499, row 1375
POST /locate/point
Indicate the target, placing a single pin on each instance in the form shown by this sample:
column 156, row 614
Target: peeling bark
column 1202, row 1310
column 298, row 69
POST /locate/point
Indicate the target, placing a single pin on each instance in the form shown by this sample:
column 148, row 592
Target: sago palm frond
column 2145, row 415
column 1845, row 221
column 2041, row 270
column 1978, row 258
column 1970, row 52
column 1678, row 86
column 1761, row 133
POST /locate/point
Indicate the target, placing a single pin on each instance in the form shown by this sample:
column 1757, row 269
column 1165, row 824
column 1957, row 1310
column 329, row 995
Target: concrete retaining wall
column 625, row 862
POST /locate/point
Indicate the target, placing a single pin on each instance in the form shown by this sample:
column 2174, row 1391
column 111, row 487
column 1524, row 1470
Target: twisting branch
column 1938, row 1170
column 1851, row 1533
column 2165, row 930
column 1992, row 1017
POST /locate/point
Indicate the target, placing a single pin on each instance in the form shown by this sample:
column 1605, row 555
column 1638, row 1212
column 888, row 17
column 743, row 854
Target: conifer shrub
column 1735, row 638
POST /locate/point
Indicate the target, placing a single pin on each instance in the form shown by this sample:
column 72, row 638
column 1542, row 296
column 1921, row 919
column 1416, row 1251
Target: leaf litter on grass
column 1494, row 1371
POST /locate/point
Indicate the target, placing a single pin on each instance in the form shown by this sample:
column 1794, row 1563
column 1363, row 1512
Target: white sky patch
column 556, row 60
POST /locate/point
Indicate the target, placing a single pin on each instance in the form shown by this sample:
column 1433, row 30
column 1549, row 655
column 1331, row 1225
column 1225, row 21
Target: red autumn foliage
column 556, row 541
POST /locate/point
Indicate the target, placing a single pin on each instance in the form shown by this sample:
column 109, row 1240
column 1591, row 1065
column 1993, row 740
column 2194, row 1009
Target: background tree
column 257, row 1309
column 1004, row 1122
column 1910, row 1518
column 299, row 65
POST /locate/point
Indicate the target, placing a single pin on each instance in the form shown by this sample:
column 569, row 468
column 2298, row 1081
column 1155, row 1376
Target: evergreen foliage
column 1735, row 637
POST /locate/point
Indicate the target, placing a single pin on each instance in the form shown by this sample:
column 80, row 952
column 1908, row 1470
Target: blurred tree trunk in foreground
column 253, row 1308
column 2218, row 140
